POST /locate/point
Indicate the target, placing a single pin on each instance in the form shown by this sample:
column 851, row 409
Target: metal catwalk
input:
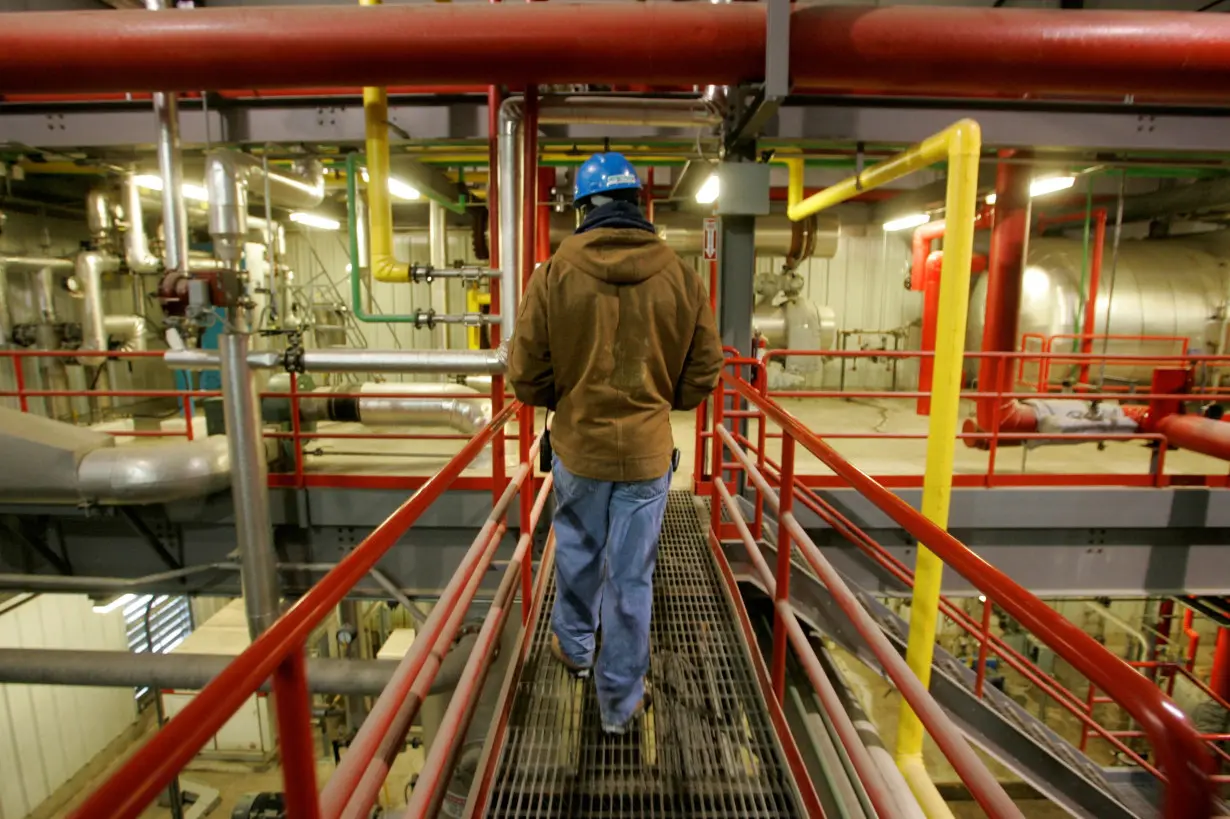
column 705, row 749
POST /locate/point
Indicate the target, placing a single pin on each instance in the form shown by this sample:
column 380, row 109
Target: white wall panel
column 49, row 733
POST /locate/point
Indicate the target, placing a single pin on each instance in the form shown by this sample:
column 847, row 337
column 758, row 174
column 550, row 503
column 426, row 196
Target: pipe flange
column 292, row 359
column 422, row 273
column 425, row 318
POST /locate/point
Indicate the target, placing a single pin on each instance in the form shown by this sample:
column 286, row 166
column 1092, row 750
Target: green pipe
column 356, row 274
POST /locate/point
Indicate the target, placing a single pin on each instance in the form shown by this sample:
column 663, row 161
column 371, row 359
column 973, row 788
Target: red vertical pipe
column 1219, row 680
column 1193, row 639
column 1095, row 277
column 499, row 469
column 930, row 318
column 294, row 712
column 1007, row 263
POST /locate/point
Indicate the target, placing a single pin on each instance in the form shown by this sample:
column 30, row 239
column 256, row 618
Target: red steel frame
column 1182, row 758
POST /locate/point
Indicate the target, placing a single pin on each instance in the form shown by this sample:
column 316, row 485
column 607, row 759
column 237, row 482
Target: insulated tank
column 1163, row 287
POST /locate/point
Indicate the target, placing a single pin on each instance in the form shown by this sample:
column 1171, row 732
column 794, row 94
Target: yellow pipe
column 384, row 267
column 925, row 793
column 475, row 299
column 961, row 145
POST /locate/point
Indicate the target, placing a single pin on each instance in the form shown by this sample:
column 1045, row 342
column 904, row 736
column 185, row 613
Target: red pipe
column 1193, row 639
column 1169, row 55
column 1196, row 433
column 930, row 318
column 542, row 218
column 1219, row 679
column 924, row 235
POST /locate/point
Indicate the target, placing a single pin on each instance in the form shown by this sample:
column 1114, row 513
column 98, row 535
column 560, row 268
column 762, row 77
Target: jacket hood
column 617, row 255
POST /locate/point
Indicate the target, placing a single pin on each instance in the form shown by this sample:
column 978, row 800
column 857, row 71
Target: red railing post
column 698, row 464
column 983, row 644
column 996, row 411
column 295, row 430
column 19, row 379
column 762, row 371
column 186, row 397
column 715, row 508
column 1089, row 710
column 294, row 713
column 785, row 505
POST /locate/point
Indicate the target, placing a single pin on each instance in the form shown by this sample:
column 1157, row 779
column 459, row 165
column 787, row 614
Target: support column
column 437, row 232
column 736, row 272
column 249, row 484
column 1005, row 270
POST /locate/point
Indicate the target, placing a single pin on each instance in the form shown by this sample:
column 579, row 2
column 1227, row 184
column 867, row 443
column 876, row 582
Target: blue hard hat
column 602, row 173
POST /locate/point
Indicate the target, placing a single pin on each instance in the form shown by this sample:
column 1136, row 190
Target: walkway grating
column 705, row 749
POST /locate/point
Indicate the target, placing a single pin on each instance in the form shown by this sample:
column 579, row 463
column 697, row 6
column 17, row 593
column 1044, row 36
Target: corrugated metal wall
column 863, row 283
column 49, row 733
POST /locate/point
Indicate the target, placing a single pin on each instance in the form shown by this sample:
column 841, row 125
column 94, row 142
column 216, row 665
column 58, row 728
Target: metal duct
column 439, row 362
column 230, row 176
column 137, row 254
column 155, row 473
column 71, row 464
column 191, row 672
column 89, row 271
column 510, row 256
column 98, row 216
column 776, row 235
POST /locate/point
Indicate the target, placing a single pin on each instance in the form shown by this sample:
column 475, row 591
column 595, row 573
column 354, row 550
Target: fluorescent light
column 913, row 220
column 398, row 188
column 708, row 192
column 314, row 220
column 982, row 598
column 114, row 603
column 1050, row 184
column 153, row 182
column 990, row 200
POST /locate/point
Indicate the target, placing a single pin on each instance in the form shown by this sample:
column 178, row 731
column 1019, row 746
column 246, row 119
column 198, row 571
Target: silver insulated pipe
column 403, row 405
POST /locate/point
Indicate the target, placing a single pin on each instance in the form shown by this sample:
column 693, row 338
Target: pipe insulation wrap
column 155, row 473
column 89, row 270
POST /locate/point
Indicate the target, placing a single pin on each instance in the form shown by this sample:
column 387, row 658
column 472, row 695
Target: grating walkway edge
column 705, row 749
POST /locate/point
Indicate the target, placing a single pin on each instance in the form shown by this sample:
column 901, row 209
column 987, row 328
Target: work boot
column 581, row 672
column 641, row 707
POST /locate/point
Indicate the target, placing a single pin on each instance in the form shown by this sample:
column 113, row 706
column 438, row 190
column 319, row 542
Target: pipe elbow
column 468, row 415
column 964, row 138
column 387, row 269
column 156, row 473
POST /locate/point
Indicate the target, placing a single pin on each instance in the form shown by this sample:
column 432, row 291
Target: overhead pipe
column 191, row 672
column 1156, row 54
column 89, row 269
column 171, row 168
column 439, row 362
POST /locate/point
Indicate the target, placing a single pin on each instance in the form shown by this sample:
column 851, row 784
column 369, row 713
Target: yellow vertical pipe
column 961, row 145
column 379, row 207
column 961, row 202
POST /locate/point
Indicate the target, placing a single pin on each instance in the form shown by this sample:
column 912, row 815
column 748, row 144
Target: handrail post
column 784, row 549
column 715, row 508
column 19, row 381
column 294, row 713
column 762, row 380
column 983, row 644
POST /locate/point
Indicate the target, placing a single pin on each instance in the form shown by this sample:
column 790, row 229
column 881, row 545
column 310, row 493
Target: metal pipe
column 509, row 174
column 231, row 177
column 131, row 329
column 121, row 669
column 383, row 581
column 446, row 362
column 170, row 165
column 137, row 254
column 98, row 216
column 89, row 269
column 1198, row 434
column 249, row 485
column 36, row 263
column 437, row 235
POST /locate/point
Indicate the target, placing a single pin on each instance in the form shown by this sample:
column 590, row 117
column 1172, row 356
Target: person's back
column 614, row 332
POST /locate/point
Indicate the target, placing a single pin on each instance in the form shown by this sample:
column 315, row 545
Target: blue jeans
column 606, row 548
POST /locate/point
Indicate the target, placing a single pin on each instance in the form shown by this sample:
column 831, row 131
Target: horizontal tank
column 1162, row 287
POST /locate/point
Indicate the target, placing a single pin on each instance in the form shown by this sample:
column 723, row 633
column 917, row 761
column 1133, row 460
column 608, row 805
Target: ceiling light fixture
column 108, row 606
column 153, row 182
column 708, row 192
column 1050, row 184
column 314, row 220
column 912, row 220
column 398, row 188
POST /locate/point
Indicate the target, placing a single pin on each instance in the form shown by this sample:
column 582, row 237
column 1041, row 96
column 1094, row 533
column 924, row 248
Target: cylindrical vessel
column 685, row 234
column 1163, row 288
column 797, row 325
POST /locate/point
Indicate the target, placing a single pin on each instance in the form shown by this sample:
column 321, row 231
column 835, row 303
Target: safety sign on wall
column 711, row 240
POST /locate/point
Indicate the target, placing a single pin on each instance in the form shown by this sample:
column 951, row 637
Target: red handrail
column 1179, row 750
column 127, row 792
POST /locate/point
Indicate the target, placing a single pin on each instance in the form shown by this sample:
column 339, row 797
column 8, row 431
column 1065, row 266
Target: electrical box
column 744, row 189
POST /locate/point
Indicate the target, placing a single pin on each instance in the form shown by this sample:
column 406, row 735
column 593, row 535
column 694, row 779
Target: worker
column 615, row 331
